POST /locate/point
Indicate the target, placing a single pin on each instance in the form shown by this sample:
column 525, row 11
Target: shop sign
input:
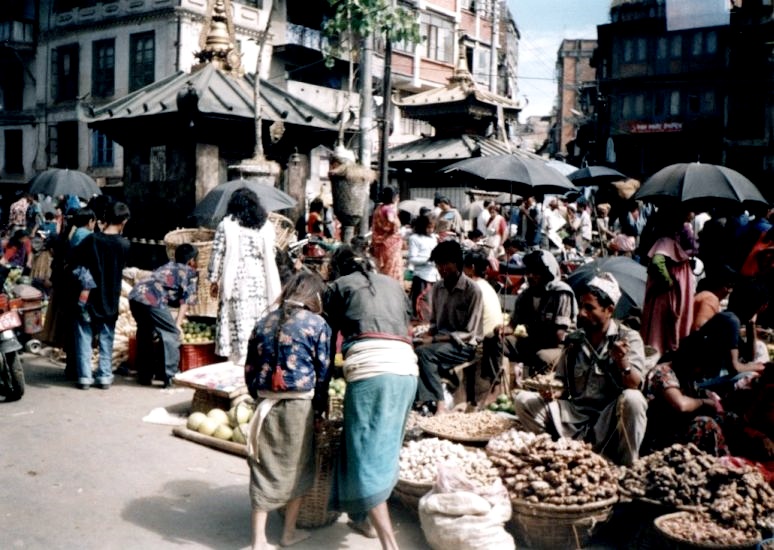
column 655, row 127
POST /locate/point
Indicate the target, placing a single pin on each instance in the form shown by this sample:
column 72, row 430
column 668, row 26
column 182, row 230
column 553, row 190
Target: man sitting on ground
column 455, row 324
column 601, row 371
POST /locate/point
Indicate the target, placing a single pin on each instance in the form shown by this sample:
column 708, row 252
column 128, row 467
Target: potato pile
column 419, row 462
column 683, row 475
column 476, row 425
column 564, row 472
column 700, row 528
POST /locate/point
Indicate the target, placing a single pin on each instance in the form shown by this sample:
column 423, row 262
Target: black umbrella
column 212, row 207
column 513, row 174
column 630, row 275
column 62, row 181
column 595, row 175
column 696, row 181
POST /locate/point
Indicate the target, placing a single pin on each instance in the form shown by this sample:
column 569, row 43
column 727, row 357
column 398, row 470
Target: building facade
column 575, row 76
column 662, row 92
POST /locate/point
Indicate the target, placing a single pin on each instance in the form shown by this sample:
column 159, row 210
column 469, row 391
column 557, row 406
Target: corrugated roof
column 454, row 148
column 219, row 95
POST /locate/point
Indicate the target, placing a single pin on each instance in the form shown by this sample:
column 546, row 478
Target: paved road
column 81, row 470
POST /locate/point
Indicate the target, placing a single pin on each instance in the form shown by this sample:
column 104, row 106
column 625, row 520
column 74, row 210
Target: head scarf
column 608, row 285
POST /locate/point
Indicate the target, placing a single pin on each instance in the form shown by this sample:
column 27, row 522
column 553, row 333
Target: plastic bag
column 457, row 514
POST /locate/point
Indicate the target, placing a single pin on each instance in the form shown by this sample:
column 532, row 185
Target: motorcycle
column 11, row 371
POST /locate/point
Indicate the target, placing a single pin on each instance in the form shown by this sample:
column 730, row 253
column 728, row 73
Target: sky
column 543, row 25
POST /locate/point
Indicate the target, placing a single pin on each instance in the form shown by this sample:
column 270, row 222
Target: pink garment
column 386, row 242
column 667, row 315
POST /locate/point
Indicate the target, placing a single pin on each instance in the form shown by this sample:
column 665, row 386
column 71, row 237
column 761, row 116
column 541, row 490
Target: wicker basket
column 686, row 544
column 409, row 493
column 284, row 230
column 335, row 407
column 197, row 355
column 206, row 305
column 551, row 526
column 314, row 505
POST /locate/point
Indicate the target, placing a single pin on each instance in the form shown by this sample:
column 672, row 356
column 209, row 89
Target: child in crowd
column 173, row 284
column 103, row 254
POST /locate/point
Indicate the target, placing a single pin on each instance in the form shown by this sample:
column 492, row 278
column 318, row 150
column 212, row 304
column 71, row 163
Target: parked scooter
column 11, row 370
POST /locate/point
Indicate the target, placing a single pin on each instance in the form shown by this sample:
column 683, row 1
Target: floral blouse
column 302, row 353
column 172, row 283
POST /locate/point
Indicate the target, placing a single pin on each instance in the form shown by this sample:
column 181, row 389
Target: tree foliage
column 361, row 18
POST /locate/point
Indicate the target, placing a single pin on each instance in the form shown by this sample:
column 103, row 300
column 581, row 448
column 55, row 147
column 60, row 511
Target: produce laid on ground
column 197, row 333
column 337, row 388
column 474, row 426
column 419, row 462
column 503, row 404
column 700, row 528
column 683, row 475
column 565, row 472
column 228, row 426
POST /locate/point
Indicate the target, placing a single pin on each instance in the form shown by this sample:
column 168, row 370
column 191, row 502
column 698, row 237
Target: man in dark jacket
column 103, row 255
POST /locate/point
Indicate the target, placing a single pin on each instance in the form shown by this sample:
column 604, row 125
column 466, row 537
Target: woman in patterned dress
column 243, row 271
column 387, row 244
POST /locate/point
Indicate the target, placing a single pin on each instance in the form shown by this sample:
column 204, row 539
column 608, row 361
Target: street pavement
column 82, row 470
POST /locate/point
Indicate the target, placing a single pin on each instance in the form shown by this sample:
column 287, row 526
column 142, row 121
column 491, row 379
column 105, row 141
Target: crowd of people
column 688, row 365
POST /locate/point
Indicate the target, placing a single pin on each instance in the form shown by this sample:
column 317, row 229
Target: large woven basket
column 409, row 493
column 549, row 526
column 201, row 238
column 669, row 538
column 314, row 505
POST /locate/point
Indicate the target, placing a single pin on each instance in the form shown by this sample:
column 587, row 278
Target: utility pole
column 366, row 117
column 493, row 55
column 384, row 176
column 366, row 101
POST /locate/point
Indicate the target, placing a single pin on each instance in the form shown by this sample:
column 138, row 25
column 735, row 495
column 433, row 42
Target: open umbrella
column 513, row 174
column 595, row 175
column 631, row 277
column 696, row 181
column 212, row 207
column 62, row 181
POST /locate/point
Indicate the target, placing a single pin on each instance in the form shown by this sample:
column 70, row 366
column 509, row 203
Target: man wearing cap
column 601, row 372
column 547, row 309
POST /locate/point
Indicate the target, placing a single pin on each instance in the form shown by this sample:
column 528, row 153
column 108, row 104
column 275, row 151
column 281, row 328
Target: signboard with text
column 655, row 127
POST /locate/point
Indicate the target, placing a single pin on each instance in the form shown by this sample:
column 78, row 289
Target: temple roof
column 450, row 149
column 213, row 93
column 461, row 87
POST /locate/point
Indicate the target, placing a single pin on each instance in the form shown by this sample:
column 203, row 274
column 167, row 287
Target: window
column 628, row 55
column 708, row 102
column 711, row 42
column 102, row 149
column 639, row 105
column 627, row 106
column 103, row 68
column 11, row 85
column 659, row 104
column 438, row 36
column 141, row 60
column 676, row 46
column 663, row 46
column 698, row 44
column 481, row 69
column 64, row 72
column 642, row 50
column 694, row 105
column 674, row 103
column 63, row 145
column 14, row 152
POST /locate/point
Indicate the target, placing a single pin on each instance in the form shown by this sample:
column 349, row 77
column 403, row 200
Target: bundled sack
column 457, row 514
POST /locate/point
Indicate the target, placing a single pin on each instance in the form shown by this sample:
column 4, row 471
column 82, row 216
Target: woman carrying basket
column 286, row 371
column 243, row 271
column 372, row 313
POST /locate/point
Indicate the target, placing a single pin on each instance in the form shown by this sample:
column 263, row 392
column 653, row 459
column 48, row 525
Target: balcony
column 297, row 35
column 18, row 34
